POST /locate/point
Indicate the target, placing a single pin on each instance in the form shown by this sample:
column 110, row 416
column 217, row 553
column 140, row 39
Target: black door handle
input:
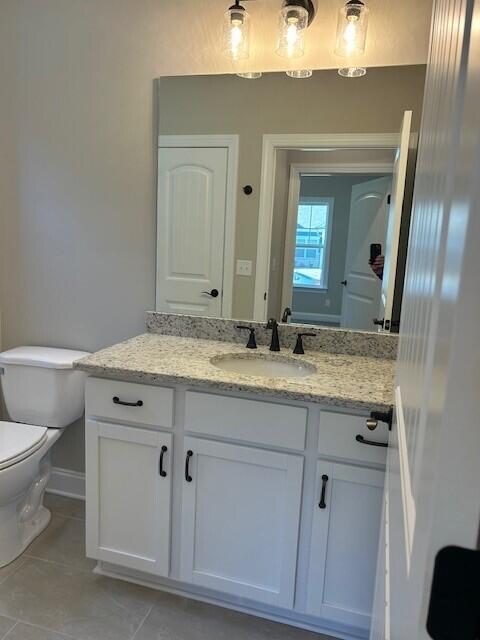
column 213, row 293
column 188, row 477
column 138, row 403
column 372, row 443
column 161, row 470
column 344, row 282
column 322, row 504
column 380, row 323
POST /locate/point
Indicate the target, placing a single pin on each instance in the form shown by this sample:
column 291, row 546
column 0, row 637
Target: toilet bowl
column 43, row 394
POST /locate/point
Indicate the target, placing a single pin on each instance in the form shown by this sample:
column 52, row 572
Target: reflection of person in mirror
column 377, row 266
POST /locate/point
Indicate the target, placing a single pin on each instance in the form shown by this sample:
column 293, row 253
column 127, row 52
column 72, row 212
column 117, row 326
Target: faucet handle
column 298, row 348
column 252, row 343
column 272, row 323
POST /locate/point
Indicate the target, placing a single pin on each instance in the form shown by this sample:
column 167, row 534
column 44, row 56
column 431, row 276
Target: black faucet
column 286, row 313
column 275, row 343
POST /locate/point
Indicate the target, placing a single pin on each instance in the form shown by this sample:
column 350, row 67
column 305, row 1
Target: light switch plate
column 244, row 267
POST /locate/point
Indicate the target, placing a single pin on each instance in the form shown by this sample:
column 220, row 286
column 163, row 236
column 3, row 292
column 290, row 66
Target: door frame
column 230, row 142
column 270, row 144
column 303, row 168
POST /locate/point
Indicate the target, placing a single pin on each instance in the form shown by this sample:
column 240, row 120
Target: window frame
column 330, row 202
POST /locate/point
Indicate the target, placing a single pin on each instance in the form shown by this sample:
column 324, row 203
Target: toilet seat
column 18, row 441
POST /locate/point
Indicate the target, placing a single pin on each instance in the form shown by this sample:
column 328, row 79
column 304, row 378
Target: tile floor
column 50, row 593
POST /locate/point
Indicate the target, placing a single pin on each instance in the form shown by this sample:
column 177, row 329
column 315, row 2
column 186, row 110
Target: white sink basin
column 263, row 365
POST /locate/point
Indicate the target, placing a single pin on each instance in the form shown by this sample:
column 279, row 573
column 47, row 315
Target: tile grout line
column 142, row 622
column 24, row 559
column 55, row 562
column 10, row 630
column 38, row 626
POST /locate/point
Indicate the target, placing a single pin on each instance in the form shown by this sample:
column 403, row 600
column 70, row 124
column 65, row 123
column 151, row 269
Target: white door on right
column 394, row 223
column 368, row 225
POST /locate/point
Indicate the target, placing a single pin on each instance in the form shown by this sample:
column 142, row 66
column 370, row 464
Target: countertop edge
column 157, row 379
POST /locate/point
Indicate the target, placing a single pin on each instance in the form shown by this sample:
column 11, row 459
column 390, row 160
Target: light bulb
column 236, row 33
column 291, row 30
column 352, row 29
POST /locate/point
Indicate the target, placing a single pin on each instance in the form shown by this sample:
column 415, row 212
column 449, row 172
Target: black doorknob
column 344, row 282
column 378, row 322
column 213, row 293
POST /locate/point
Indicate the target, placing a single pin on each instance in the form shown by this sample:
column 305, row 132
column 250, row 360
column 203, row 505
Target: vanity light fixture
column 236, row 32
column 352, row 72
column 299, row 73
column 295, row 16
column 352, row 29
column 250, row 75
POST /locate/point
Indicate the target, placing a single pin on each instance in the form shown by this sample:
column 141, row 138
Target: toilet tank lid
column 47, row 357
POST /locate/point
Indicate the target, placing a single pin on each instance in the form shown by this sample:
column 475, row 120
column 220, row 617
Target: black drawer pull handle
column 322, row 504
column 138, row 403
column 362, row 440
column 161, row 470
column 188, row 477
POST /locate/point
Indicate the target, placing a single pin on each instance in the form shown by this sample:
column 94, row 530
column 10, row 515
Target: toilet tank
column 40, row 385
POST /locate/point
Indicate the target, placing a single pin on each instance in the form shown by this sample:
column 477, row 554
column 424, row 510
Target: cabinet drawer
column 337, row 438
column 156, row 406
column 253, row 421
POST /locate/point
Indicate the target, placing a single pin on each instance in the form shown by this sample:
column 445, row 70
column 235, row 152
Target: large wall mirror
column 287, row 198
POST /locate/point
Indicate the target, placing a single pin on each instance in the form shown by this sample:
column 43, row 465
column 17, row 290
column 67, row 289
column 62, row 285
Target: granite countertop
column 351, row 382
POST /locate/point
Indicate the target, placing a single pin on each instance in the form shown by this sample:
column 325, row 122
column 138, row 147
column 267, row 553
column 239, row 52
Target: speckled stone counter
column 349, row 381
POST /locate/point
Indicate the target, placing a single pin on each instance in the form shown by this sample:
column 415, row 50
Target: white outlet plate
column 244, row 267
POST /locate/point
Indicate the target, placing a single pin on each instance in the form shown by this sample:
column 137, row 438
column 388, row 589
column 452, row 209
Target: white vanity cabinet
column 240, row 520
column 129, row 496
column 220, row 495
column 344, row 543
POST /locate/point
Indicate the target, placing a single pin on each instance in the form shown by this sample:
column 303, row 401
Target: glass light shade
column 250, row 75
column 299, row 73
column 291, row 31
column 352, row 29
column 236, row 33
column 352, row 72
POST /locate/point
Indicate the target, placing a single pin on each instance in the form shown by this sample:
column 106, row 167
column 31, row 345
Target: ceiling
column 189, row 32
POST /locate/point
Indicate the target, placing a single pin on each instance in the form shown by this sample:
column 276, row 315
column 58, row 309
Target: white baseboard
column 304, row 316
column 65, row 482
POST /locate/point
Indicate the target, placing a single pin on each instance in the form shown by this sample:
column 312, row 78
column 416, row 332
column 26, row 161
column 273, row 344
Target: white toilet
column 43, row 394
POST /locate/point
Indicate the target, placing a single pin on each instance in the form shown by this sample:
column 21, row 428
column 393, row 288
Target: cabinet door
column 240, row 520
column 128, row 500
column 344, row 543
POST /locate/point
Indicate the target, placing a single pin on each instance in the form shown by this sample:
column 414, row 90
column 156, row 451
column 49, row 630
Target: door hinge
column 454, row 610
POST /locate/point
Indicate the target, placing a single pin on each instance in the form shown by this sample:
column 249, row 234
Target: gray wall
column 77, row 178
column 325, row 103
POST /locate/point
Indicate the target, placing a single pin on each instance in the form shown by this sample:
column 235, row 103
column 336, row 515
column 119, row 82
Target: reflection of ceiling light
column 352, row 29
column 250, row 75
column 295, row 16
column 299, row 73
column 236, row 32
column 352, row 72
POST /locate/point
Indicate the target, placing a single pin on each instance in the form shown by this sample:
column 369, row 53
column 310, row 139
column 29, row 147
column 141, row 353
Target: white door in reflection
column 367, row 225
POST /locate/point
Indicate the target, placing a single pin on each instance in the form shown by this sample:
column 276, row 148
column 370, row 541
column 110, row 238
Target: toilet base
column 25, row 517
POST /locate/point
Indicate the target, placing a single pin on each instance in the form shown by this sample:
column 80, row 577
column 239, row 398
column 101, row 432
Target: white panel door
column 433, row 471
column 128, row 475
column 191, row 209
column 367, row 225
column 240, row 520
column 344, row 543
column 394, row 222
